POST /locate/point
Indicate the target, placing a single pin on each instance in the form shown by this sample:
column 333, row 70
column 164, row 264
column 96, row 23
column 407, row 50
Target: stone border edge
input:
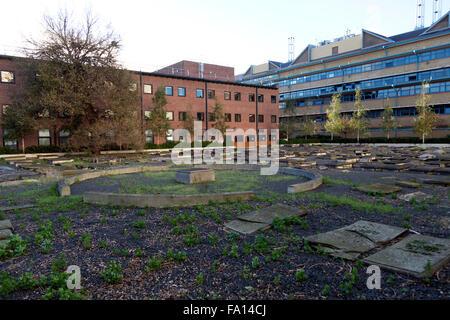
column 315, row 180
column 64, row 184
column 164, row 200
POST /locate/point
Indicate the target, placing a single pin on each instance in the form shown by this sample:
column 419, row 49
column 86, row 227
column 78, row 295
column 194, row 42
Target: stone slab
column 412, row 254
column 17, row 182
column 442, row 182
column 195, row 175
column 342, row 241
column 376, row 232
column 408, row 184
column 5, row 234
column 25, row 206
column 245, row 227
column 267, row 215
column 5, row 224
column 418, row 196
column 379, row 188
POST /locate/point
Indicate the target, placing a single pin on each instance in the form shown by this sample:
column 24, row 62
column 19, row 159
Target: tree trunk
column 388, row 135
column 331, row 136
column 357, row 137
column 423, row 138
column 23, row 144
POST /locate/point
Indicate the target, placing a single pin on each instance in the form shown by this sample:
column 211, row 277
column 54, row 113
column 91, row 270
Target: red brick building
column 245, row 106
column 199, row 70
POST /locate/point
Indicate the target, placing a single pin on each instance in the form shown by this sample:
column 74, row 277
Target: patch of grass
column 301, row 276
column 355, row 204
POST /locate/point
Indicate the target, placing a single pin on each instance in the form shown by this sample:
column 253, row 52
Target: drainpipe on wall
column 206, row 105
column 142, row 103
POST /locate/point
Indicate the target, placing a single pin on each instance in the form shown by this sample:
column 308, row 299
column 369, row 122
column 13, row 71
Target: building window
column 200, row 116
column 169, row 115
column 169, row 135
column 273, row 99
column 227, row 95
column 260, row 118
column 133, row 86
column 334, row 50
column 148, row 89
column 44, row 137
column 260, row 98
column 9, row 143
column 273, row 118
column 211, row 116
column 237, row 96
column 251, row 118
column 182, row 92
column 227, row 117
column 169, row 91
column 211, row 94
column 149, row 136
column 237, row 117
column 4, row 108
column 147, row 114
column 7, row 76
column 182, row 116
column 64, row 136
column 251, row 97
column 199, row 93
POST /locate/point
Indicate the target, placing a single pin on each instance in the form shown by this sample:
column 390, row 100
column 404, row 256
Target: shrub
column 112, row 274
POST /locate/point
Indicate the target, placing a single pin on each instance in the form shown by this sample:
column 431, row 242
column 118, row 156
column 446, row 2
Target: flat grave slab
column 267, row 215
column 253, row 221
column 5, row 224
column 408, row 184
column 5, row 234
column 351, row 241
column 376, row 232
column 17, row 207
column 379, row 188
column 412, row 254
column 195, row 175
column 245, row 227
column 418, row 196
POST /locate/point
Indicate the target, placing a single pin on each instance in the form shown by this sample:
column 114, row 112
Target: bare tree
column 388, row 119
column 158, row 121
column 73, row 77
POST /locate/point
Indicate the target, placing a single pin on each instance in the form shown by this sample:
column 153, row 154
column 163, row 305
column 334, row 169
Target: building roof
column 369, row 40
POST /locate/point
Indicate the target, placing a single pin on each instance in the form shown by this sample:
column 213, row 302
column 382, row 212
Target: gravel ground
column 227, row 264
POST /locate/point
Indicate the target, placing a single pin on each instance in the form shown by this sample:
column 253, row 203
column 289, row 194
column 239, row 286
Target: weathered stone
column 245, row 227
column 442, row 182
column 379, row 188
column 25, row 206
column 5, row 224
column 5, row 234
column 343, row 242
column 267, row 215
column 418, row 196
column 376, row 232
column 196, row 175
column 17, row 182
column 408, row 184
column 412, row 254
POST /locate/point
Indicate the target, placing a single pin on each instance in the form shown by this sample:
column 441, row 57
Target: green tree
column 388, row 119
column 335, row 123
column 426, row 120
column 308, row 126
column 72, row 76
column 219, row 118
column 158, row 121
column 288, row 123
column 17, row 123
column 358, row 122
column 188, row 122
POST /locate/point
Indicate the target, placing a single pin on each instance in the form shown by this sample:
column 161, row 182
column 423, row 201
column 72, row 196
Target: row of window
column 149, row 137
column 438, row 87
column 200, row 93
column 182, row 116
column 375, row 114
column 395, row 62
column 381, row 82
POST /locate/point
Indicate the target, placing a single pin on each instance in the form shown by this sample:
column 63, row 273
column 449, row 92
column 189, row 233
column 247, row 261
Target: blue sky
column 235, row 33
